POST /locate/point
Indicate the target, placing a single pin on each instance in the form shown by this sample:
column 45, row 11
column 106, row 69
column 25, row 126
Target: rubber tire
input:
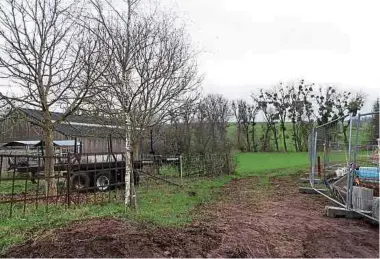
column 85, row 179
column 109, row 175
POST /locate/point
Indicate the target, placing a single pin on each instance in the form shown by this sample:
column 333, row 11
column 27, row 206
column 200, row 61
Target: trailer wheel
column 79, row 181
column 104, row 181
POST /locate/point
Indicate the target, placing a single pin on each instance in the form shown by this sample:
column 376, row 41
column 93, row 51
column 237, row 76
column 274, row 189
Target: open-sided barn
column 94, row 133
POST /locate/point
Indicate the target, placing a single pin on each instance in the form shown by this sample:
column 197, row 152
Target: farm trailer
column 85, row 172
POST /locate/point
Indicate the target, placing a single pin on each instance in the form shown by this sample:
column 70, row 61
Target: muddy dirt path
column 286, row 224
column 246, row 222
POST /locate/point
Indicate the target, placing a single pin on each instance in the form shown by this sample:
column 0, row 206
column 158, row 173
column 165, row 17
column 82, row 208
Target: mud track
column 248, row 221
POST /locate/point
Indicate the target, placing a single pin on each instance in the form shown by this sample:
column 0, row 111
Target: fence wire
column 344, row 157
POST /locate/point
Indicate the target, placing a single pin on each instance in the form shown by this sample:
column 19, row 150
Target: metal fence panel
column 344, row 155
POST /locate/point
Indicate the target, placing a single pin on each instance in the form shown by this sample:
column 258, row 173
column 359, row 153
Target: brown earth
column 247, row 222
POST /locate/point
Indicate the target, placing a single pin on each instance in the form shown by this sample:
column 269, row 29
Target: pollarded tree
column 346, row 103
column 280, row 99
column 242, row 112
column 264, row 101
column 253, row 110
column 325, row 101
column 305, row 114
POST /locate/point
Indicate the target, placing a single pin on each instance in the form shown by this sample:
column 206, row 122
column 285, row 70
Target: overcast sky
column 250, row 44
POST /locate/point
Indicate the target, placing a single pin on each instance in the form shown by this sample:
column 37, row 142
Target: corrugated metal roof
column 81, row 125
column 21, row 143
column 60, row 143
column 65, row 142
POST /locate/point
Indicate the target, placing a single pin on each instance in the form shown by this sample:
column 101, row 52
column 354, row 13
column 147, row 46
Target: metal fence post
column 68, row 179
column 313, row 155
column 349, row 171
column 353, row 167
column 180, row 168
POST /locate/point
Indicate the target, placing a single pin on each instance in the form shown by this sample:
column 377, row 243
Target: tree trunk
column 238, row 136
column 130, row 195
column 265, row 147
column 275, row 137
column 299, row 136
column 345, row 132
column 253, row 139
column 295, row 137
column 50, row 186
column 284, row 138
column 248, row 142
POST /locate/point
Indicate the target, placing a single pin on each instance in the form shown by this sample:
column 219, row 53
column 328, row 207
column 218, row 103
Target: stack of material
column 362, row 198
column 375, row 208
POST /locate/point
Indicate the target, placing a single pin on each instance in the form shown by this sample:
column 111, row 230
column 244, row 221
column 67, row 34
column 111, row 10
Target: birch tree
column 50, row 60
column 152, row 74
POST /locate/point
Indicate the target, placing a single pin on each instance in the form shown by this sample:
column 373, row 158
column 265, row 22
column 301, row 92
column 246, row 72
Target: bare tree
column 242, row 112
column 179, row 132
column 235, row 109
column 211, row 124
column 51, row 61
column 153, row 71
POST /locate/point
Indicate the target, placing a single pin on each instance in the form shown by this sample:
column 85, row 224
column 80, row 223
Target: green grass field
column 160, row 204
column 252, row 163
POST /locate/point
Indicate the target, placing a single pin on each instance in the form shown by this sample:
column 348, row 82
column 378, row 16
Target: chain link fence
column 344, row 158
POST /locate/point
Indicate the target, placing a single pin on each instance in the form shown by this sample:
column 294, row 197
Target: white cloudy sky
column 250, row 44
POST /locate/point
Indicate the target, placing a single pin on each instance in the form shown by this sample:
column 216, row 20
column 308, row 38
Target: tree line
column 199, row 127
column 276, row 119
column 289, row 112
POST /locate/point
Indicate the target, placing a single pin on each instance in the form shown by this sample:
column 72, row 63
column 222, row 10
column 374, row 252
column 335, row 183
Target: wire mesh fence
column 76, row 180
column 344, row 157
column 178, row 169
column 81, row 179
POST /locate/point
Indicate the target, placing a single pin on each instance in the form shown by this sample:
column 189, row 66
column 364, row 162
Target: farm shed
column 91, row 131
